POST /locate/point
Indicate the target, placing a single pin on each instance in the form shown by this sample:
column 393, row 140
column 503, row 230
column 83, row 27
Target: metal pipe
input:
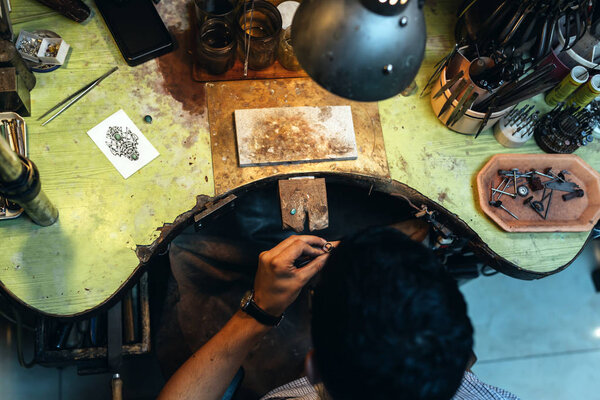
column 39, row 209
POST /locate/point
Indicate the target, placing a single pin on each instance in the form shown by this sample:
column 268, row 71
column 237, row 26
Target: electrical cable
column 19, row 324
column 12, row 321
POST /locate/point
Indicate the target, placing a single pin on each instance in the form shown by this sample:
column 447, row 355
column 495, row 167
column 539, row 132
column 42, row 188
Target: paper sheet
column 123, row 143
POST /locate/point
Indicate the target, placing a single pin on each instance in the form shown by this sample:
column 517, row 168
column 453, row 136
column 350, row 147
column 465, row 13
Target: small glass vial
column 258, row 31
column 285, row 52
column 216, row 46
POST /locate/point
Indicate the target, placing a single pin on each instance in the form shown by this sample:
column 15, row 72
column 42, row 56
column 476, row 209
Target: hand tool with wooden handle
column 76, row 10
column 117, row 387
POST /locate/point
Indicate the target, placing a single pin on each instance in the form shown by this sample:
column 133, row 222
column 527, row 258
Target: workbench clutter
column 13, row 130
column 73, row 98
column 88, row 340
column 335, row 52
column 517, row 127
column 43, row 49
column 20, row 186
column 509, row 52
column 540, row 192
column 20, row 183
column 244, row 35
column 17, row 80
column 565, row 129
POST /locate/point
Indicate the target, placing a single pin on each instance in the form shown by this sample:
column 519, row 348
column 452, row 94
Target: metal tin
column 12, row 214
column 468, row 124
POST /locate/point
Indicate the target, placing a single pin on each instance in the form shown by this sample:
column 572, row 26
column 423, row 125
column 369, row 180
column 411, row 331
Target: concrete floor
column 538, row 339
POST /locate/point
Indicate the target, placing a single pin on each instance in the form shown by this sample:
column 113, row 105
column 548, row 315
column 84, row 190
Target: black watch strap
column 251, row 308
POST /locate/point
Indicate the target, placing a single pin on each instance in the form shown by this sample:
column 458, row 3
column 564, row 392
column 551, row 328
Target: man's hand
column 278, row 281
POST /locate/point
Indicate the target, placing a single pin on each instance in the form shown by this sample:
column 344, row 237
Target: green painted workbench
column 443, row 165
column 77, row 264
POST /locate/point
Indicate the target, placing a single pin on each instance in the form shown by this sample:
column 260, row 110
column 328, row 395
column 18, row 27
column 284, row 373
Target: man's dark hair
column 388, row 322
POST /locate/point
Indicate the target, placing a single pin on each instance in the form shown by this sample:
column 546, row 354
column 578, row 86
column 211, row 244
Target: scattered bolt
column 544, row 175
column 504, row 188
column 514, row 196
column 576, row 194
column 498, row 204
column 548, row 205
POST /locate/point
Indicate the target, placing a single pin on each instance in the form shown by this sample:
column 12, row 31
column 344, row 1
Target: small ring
column 328, row 247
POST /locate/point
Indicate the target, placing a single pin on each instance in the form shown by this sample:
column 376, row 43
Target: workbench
column 79, row 263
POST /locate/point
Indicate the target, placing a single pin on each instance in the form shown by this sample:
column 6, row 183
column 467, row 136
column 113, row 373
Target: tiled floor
column 540, row 340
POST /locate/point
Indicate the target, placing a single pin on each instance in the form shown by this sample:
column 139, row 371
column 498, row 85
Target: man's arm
column 207, row 374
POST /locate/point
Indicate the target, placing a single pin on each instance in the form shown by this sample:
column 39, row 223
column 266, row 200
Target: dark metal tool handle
column 77, row 10
column 30, row 197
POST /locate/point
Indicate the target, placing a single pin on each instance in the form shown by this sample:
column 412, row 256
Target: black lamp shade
column 357, row 53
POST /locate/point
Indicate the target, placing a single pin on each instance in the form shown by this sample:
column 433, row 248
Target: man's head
column 388, row 321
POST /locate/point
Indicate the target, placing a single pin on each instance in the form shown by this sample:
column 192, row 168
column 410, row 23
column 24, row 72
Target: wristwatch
column 252, row 309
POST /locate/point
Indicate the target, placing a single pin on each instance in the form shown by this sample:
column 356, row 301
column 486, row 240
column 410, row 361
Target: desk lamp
column 365, row 50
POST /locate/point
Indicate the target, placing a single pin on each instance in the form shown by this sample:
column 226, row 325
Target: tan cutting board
column 269, row 136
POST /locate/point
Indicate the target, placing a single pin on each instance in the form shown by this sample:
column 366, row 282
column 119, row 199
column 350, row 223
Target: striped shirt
column 471, row 388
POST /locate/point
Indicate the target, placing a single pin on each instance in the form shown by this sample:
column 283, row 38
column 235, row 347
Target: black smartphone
column 137, row 29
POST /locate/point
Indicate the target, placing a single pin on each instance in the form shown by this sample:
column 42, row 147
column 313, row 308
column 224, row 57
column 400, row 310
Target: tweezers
column 72, row 99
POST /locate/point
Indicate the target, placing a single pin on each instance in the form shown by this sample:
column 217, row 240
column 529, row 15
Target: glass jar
column 216, row 46
column 285, row 52
column 207, row 9
column 258, row 31
column 410, row 89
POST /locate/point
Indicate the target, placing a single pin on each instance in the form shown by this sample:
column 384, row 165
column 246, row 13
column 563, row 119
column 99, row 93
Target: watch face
column 246, row 299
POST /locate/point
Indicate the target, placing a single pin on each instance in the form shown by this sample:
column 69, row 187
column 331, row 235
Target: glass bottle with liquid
column 216, row 51
column 258, row 31
column 285, row 52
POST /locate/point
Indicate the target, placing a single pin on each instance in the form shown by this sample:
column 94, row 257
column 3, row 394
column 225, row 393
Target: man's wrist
column 276, row 311
column 253, row 324
column 250, row 307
